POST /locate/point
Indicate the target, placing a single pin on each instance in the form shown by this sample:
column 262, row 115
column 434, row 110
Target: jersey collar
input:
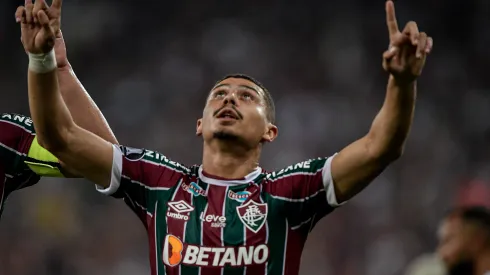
column 227, row 182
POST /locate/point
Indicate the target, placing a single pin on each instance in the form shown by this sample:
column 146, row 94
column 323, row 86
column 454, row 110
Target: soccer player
column 228, row 215
column 464, row 241
column 22, row 160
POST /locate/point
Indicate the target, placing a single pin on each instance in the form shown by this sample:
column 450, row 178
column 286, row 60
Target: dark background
column 149, row 66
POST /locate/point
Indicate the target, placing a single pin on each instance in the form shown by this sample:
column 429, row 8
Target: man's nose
column 230, row 98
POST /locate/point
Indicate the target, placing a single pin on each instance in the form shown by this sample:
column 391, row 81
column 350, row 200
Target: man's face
column 457, row 244
column 236, row 110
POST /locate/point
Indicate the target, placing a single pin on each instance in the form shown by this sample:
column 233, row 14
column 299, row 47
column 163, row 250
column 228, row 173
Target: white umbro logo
column 180, row 206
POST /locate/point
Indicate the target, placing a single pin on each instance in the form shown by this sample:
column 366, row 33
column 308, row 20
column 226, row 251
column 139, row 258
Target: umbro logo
column 179, row 210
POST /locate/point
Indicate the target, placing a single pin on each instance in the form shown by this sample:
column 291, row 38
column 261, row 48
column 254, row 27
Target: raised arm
column 83, row 109
column 77, row 148
column 362, row 161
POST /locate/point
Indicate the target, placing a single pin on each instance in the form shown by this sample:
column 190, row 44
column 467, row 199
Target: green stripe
column 277, row 235
column 193, row 229
column 152, row 197
column 233, row 233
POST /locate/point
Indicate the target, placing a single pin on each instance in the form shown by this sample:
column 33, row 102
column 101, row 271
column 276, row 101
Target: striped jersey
column 16, row 136
column 201, row 224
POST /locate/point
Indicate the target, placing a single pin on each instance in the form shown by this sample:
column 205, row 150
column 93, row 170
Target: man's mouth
column 228, row 114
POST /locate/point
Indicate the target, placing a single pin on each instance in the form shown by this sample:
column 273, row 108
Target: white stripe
column 301, row 224
column 156, row 238
column 285, row 248
column 245, row 244
column 329, row 184
column 12, row 149
column 298, row 200
column 266, row 229
column 3, row 193
column 135, row 203
column 167, row 166
column 248, row 178
column 146, row 186
column 286, row 174
column 185, row 226
column 223, row 213
column 202, row 222
column 116, row 173
column 166, row 217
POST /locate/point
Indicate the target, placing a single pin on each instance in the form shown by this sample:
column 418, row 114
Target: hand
column 60, row 51
column 407, row 52
column 39, row 25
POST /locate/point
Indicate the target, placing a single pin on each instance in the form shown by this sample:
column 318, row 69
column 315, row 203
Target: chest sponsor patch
column 176, row 252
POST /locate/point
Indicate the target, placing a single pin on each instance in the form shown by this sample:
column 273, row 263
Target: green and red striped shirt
column 200, row 224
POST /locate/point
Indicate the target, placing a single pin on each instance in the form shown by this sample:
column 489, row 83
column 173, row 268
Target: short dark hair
column 478, row 215
column 269, row 102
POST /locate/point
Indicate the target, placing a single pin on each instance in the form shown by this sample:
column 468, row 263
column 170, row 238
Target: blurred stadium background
column 150, row 64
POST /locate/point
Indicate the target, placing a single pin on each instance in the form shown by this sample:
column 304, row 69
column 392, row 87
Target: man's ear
column 271, row 133
column 199, row 127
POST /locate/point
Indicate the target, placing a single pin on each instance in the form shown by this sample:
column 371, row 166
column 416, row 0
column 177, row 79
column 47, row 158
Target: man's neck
column 229, row 164
column 482, row 264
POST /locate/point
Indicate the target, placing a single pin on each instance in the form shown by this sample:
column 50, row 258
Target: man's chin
column 225, row 135
column 462, row 268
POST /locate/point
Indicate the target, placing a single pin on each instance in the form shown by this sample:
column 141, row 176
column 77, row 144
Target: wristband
column 43, row 62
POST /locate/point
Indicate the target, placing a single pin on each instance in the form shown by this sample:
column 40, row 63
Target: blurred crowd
column 150, row 64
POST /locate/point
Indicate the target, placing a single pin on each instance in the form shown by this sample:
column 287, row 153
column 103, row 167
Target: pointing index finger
column 391, row 18
column 57, row 4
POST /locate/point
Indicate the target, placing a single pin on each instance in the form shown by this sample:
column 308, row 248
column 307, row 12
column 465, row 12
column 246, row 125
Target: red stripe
column 295, row 186
column 14, row 137
column 294, row 248
column 213, row 236
column 150, row 227
column 254, row 239
column 2, row 188
column 151, row 175
column 175, row 226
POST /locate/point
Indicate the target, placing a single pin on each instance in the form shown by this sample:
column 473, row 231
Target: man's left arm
column 362, row 161
column 354, row 167
column 83, row 109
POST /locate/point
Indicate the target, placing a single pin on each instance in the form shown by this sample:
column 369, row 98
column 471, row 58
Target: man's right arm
column 56, row 131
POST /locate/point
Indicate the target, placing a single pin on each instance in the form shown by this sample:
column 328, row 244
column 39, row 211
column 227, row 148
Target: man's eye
column 219, row 94
column 247, row 96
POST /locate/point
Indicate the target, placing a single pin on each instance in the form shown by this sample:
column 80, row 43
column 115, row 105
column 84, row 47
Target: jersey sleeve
column 307, row 190
column 16, row 136
column 139, row 176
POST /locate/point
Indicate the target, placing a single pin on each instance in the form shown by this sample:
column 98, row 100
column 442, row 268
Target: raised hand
column 60, row 52
column 407, row 52
column 39, row 25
